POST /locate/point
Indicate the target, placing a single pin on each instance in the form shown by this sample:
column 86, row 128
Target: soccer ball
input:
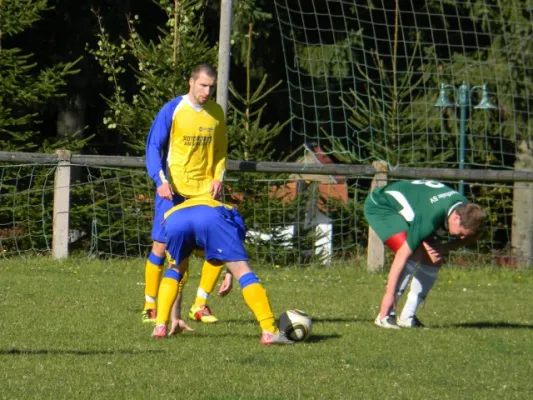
column 296, row 324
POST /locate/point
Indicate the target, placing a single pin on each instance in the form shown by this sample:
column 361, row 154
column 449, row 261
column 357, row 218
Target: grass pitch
column 72, row 330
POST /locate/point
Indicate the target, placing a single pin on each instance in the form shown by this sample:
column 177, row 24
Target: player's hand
column 179, row 326
column 165, row 191
column 216, row 189
column 226, row 285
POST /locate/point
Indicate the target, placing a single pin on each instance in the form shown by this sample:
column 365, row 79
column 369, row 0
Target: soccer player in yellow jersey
column 219, row 230
column 186, row 158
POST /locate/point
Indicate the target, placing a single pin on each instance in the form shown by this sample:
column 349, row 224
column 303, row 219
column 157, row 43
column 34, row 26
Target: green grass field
column 72, row 330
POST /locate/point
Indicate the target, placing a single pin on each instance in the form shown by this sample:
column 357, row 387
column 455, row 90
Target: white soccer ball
column 296, row 324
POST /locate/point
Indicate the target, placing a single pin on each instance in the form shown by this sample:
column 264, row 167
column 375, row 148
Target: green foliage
column 251, row 139
column 247, row 13
column 26, row 89
column 161, row 68
column 335, row 60
column 18, row 15
column 26, row 92
column 390, row 113
column 506, row 59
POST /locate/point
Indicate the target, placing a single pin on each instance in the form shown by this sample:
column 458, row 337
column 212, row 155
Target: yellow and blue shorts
column 219, row 231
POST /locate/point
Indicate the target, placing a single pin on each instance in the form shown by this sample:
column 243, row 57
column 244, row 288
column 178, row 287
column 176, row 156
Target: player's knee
column 238, row 268
column 158, row 248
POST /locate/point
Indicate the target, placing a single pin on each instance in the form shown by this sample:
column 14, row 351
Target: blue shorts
column 161, row 207
column 218, row 231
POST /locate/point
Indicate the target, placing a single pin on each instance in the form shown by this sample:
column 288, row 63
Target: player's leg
column 423, row 280
column 153, row 271
column 403, row 281
column 391, row 228
column 180, row 243
column 200, row 311
column 168, row 292
column 256, row 298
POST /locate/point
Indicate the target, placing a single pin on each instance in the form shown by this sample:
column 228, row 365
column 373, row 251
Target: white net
column 364, row 78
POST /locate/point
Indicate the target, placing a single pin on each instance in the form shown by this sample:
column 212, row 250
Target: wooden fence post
column 376, row 249
column 60, row 235
column 522, row 225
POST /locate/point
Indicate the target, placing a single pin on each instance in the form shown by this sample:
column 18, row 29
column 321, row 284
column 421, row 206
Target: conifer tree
column 26, row 89
column 160, row 66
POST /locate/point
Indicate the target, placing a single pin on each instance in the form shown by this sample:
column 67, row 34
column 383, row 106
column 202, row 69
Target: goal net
column 414, row 83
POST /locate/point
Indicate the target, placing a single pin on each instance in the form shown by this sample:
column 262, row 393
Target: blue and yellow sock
column 208, row 280
column 168, row 292
column 153, row 270
column 256, row 297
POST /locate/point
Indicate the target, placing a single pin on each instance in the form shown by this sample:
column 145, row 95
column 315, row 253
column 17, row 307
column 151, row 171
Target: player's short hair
column 206, row 69
column 472, row 216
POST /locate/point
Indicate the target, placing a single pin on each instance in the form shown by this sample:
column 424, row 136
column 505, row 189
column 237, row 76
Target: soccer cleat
column 268, row 338
column 148, row 316
column 412, row 322
column 160, row 331
column 202, row 313
column 389, row 322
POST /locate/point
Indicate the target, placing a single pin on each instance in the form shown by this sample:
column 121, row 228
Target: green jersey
column 424, row 205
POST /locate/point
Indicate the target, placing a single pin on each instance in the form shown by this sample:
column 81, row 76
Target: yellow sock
column 184, row 278
column 256, row 298
column 208, row 280
column 168, row 292
column 153, row 270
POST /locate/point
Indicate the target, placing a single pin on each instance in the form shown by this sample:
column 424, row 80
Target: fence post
column 61, row 205
column 522, row 225
column 376, row 250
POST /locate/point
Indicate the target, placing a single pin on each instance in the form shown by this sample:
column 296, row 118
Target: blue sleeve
column 157, row 143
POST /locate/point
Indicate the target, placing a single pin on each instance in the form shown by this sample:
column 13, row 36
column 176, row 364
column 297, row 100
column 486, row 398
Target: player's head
column 466, row 220
column 202, row 83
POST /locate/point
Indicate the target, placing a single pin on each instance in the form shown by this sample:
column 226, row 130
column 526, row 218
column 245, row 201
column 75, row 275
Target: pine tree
column 160, row 67
column 26, row 89
column 144, row 74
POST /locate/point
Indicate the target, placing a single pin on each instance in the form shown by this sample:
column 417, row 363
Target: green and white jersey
column 424, row 205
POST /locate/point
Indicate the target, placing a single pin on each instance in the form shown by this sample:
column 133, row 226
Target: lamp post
column 462, row 100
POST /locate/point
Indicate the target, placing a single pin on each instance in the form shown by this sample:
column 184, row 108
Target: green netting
column 364, row 76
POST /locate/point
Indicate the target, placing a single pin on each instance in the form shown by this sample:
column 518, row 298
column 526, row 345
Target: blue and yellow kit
column 206, row 224
column 187, row 146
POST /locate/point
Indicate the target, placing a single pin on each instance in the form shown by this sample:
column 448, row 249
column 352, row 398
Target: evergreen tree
column 269, row 203
column 160, row 68
column 27, row 89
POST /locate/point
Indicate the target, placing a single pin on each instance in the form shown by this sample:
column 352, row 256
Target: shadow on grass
column 315, row 320
column 342, row 320
column 211, row 336
column 20, row 352
column 490, row 325
column 321, row 338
